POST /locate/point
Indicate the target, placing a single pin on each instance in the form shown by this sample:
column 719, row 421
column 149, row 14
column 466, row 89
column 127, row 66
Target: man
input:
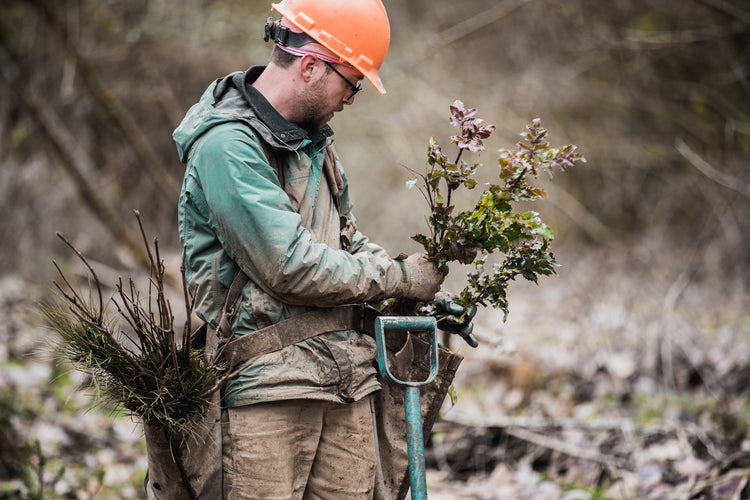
column 265, row 198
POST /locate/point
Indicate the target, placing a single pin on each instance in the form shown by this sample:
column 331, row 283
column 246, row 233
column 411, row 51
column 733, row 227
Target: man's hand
column 454, row 318
column 424, row 277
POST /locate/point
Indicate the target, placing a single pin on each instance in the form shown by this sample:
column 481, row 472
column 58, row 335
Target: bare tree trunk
column 167, row 184
column 74, row 159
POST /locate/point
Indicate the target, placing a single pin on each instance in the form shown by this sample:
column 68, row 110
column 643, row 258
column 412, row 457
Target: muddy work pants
column 299, row 449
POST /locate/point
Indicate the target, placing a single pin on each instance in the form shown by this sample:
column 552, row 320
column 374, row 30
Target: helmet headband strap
column 293, row 42
column 281, row 35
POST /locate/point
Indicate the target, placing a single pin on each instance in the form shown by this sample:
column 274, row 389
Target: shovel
column 414, row 435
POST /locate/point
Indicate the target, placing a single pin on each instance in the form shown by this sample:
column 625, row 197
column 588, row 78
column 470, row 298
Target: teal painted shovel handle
column 414, row 433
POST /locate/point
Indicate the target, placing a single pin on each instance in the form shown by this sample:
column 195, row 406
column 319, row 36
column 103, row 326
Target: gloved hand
column 424, row 277
column 454, row 318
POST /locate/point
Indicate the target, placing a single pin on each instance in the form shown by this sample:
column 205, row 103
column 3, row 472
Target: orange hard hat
column 357, row 31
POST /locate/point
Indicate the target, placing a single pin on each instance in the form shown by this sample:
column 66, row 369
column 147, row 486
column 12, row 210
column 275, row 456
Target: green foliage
column 21, row 456
column 493, row 225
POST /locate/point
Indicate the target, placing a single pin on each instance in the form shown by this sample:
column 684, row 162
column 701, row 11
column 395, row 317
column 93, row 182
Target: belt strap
column 302, row 327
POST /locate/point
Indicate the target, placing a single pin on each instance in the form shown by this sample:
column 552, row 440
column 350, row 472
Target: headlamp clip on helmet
column 283, row 35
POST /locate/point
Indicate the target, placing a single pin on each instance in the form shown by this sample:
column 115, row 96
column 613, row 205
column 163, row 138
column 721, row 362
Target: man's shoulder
column 229, row 137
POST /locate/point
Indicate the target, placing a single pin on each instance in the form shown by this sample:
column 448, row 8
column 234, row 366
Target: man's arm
column 260, row 230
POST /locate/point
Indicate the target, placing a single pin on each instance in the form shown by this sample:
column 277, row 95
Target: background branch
column 75, row 161
column 709, row 171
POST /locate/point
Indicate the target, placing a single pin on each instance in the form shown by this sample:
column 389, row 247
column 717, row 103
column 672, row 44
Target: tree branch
column 728, row 8
column 112, row 105
column 74, row 159
column 709, row 171
column 460, row 30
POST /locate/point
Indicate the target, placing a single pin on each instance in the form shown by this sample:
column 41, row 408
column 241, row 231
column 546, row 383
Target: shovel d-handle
column 395, row 324
column 414, row 434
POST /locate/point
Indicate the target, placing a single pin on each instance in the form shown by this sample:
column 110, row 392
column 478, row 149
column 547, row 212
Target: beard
column 315, row 110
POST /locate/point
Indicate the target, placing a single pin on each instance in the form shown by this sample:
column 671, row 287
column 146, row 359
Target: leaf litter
column 601, row 384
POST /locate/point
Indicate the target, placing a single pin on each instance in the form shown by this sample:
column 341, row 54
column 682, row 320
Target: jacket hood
column 233, row 98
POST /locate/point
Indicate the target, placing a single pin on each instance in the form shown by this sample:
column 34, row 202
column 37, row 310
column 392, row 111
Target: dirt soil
column 618, row 378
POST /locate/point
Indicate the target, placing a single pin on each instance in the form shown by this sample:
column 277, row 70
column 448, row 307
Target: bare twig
column 623, row 425
column 670, row 300
column 581, row 216
column 167, row 385
column 728, row 8
column 461, row 30
column 84, row 314
column 695, row 487
column 709, row 171
column 91, row 270
column 612, row 463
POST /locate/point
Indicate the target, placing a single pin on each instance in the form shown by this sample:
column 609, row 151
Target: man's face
column 327, row 95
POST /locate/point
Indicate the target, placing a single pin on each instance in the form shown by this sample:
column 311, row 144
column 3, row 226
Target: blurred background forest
column 652, row 232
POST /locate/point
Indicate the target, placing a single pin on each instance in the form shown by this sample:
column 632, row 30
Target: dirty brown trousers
column 299, row 449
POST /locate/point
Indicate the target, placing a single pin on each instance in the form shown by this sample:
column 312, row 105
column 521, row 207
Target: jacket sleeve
column 260, row 230
column 362, row 244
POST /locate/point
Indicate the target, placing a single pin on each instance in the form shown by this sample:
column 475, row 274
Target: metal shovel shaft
column 412, row 407
column 415, row 443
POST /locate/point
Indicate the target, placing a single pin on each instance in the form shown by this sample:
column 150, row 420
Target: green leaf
column 470, row 183
column 493, row 225
column 453, row 394
column 545, row 232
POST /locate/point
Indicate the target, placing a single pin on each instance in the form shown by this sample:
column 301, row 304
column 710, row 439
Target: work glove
column 454, row 318
column 424, row 277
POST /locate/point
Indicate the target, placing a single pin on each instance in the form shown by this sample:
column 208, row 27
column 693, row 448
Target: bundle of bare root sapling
column 144, row 366
column 495, row 227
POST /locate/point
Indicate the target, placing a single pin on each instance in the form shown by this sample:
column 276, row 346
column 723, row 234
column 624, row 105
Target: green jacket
column 234, row 212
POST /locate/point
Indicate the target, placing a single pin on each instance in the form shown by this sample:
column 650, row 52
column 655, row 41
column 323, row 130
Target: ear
column 307, row 65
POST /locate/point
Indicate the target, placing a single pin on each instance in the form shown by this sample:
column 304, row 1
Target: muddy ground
column 622, row 377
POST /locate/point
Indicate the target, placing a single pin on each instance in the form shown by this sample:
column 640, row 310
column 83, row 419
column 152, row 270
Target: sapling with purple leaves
column 494, row 225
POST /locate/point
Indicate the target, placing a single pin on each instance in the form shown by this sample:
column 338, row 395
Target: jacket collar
column 264, row 111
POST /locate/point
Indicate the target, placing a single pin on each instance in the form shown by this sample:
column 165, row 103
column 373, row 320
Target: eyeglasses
column 355, row 88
